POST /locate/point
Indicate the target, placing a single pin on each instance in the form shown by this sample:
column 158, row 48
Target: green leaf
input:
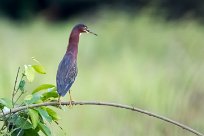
column 44, row 129
column 5, row 102
column 53, row 89
column 31, row 132
column 51, row 94
column 29, row 72
column 53, row 114
column 13, row 118
column 43, row 113
column 43, row 87
column 21, row 85
column 30, row 99
column 39, row 68
column 34, row 116
column 17, row 132
column 23, row 123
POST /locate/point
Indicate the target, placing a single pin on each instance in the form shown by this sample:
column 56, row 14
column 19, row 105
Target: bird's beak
column 88, row 31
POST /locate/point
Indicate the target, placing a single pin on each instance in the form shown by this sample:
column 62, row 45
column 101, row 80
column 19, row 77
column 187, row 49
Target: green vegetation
column 137, row 60
column 33, row 121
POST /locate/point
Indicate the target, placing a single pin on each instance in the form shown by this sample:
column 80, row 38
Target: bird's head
column 83, row 29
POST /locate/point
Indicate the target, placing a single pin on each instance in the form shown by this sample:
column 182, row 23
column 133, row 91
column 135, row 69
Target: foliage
column 30, row 121
column 64, row 9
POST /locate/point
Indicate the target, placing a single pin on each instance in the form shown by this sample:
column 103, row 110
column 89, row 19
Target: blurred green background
column 139, row 58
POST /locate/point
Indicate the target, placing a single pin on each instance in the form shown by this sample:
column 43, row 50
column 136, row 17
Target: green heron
column 67, row 69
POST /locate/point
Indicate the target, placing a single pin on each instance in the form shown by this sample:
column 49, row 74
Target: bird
column 67, row 69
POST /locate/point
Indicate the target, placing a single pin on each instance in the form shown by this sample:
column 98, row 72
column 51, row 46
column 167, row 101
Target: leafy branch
column 28, row 121
column 121, row 106
column 31, row 115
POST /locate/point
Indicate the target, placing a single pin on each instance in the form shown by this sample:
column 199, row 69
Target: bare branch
column 14, row 110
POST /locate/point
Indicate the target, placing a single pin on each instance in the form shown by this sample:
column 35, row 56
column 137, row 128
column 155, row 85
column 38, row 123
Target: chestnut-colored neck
column 73, row 43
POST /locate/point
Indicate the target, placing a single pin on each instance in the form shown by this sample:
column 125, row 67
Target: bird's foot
column 59, row 103
column 70, row 101
column 70, row 105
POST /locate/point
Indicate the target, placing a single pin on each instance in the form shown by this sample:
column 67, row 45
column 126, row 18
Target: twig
column 14, row 88
column 18, row 98
column 14, row 110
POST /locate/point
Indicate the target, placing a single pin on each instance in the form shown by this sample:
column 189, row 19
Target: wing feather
column 66, row 74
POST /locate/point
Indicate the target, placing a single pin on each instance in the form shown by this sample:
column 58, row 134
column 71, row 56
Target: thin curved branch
column 14, row 110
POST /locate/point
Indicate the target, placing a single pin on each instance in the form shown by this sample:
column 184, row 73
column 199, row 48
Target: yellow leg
column 70, row 99
column 59, row 101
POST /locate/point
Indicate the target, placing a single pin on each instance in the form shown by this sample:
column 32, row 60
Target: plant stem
column 14, row 88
